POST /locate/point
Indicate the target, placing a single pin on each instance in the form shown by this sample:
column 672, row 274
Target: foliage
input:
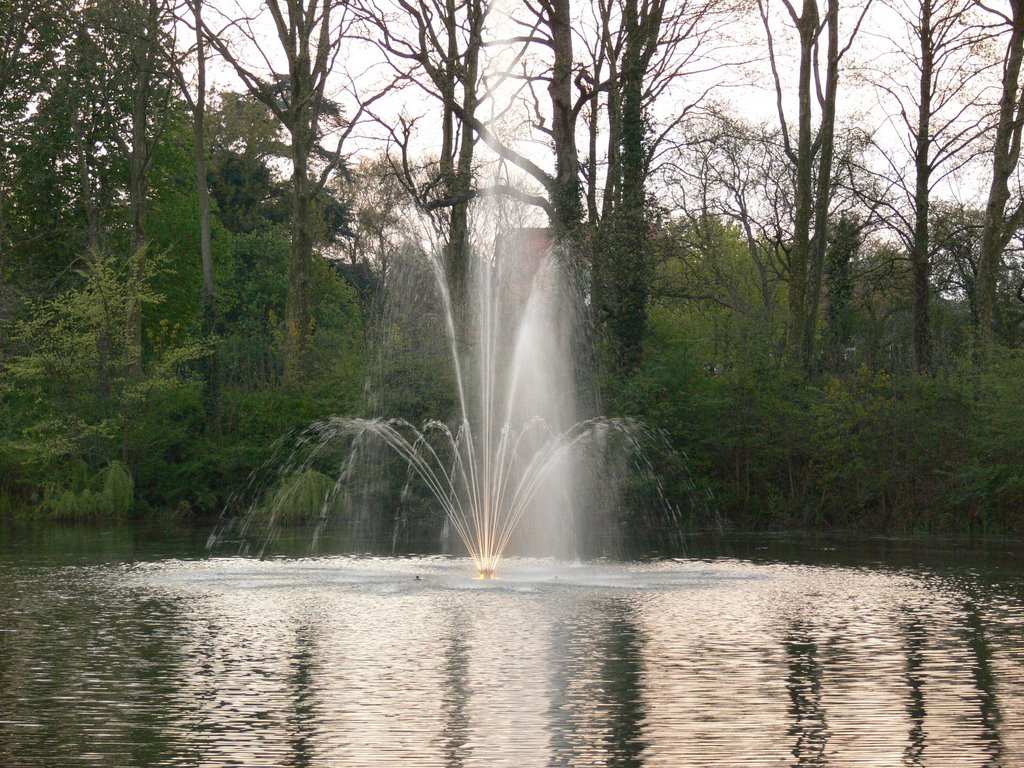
column 996, row 438
column 863, row 449
column 887, row 451
column 689, row 284
column 75, row 383
column 172, row 229
column 839, row 257
column 107, row 496
column 302, row 498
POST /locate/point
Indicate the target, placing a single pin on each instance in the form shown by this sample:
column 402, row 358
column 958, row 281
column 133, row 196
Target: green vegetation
column 186, row 275
column 301, row 498
column 106, row 497
column 94, row 428
column 860, row 443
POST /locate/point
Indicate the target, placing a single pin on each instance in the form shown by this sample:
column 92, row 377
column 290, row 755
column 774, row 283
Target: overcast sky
column 747, row 89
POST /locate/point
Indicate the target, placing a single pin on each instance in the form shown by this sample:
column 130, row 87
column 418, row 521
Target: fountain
column 518, row 461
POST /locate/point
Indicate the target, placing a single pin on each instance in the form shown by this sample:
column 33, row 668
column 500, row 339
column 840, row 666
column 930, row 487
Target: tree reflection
column 303, row 683
column 915, row 644
column 984, row 680
column 808, row 729
column 597, row 711
column 622, row 668
column 456, row 730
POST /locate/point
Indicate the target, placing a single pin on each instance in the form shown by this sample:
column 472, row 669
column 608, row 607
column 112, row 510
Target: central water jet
column 511, row 349
column 515, row 462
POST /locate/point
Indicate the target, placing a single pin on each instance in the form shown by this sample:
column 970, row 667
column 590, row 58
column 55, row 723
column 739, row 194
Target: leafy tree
column 31, row 32
column 840, row 260
column 705, row 268
column 244, row 142
column 73, row 377
column 310, row 38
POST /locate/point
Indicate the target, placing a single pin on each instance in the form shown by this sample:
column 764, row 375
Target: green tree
column 31, row 33
column 73, row 378
column 840, row 258
column 311, row 38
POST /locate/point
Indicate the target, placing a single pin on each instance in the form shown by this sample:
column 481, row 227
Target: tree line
column 786, row 204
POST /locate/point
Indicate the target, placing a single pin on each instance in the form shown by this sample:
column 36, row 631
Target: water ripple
column 376, row 661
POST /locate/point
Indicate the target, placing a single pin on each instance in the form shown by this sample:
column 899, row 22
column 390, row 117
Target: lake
column 133, row 647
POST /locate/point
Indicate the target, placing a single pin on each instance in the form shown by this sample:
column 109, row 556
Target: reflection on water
column 914, row 643
column 984, row 680
column 141, row 659
column 808, row 728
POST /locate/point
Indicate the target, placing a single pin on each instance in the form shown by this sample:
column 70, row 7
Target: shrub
column 108, row 496
column 301, row 498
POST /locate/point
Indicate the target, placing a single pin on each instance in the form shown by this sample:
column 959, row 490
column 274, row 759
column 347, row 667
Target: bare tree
column 439, row 44
column 544, row 27
column 311, row 38
column 928, row 88
column 565, row 190
column 386, row 223
column 732, row 178
column 640, row 51
column 1002, row 217
column 811, row 154
column 677, row 52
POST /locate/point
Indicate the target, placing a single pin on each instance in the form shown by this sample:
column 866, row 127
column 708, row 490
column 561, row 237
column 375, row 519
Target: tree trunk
column 920, row 256
column 209, row 322
column 298, row 309
column 1005, row 154
column 823, row 191
column 89, row 208
column 804, row 193
column 83, row 145
column 632, row 256
column 603, row 246
column 461, row 182
column 921, row 293
column 137, row 188
column 593, row 129
column 565, row 192
column 305, row 93
column 144, row 54
column 613, row 173
column 3, row 273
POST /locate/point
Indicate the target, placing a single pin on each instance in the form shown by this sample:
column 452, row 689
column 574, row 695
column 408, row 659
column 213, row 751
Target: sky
column 744, row 88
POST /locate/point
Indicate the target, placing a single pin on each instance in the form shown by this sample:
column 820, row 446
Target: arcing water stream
column 516, row 450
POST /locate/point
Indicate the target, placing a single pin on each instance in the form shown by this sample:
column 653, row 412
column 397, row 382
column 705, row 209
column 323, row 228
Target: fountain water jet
column 517, row 448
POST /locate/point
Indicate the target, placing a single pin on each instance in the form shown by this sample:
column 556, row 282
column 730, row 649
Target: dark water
column 130, row 648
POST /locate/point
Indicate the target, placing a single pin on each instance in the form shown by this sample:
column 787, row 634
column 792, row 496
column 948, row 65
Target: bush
column 866, row 449
column 108, row 497
column 301, row 498
column 995, row 473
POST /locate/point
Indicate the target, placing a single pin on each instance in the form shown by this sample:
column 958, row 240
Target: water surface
column 125, row 648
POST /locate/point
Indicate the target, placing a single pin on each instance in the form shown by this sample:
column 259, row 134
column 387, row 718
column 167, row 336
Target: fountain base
column 486, row 573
